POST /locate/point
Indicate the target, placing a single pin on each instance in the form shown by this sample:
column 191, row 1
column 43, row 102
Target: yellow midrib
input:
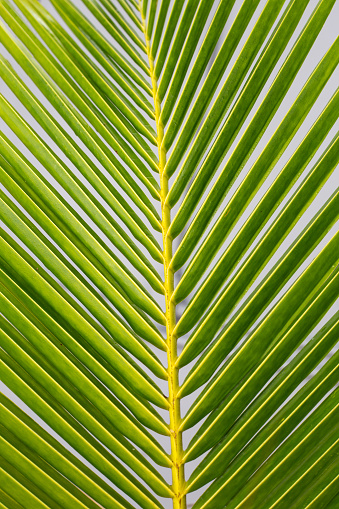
column 178, row 478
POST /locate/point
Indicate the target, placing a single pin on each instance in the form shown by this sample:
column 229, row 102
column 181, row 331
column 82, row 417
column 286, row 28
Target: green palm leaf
column 167, row 319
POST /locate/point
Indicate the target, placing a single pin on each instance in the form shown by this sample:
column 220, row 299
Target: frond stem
column 178, row 478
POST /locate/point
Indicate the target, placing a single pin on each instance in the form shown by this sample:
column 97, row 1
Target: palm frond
column 162, row 238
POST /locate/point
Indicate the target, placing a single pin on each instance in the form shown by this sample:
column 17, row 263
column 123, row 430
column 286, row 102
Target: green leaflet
column 325, row 458
column 151, row 16
column 65, row 51
column 255, row 453
column 322, row 491
column 86, row 134
column 74, row 94
column 18, row 491
column 269, row 400
column 9, row 501
column 28, row 465
column 159, row 28
column 249, row 139
column 186, row 20
column 319, row 430
column 55, row 454
column 257, row 258
column 69, row 280
column 76, row 320
column 133, row 92
column 94, row 34
column 169, row 32
column 79, row 229
column 131, row 13
column 280, row 314
column 258, row 218
column 269, row 56
column 79, row 159
column 208, row 87
column 120, row 419
column 107, row 7
column 81, row 351
column 68, row 428
column 216, row 424
column 75, row 251
column 118, row 36
column 172, row 85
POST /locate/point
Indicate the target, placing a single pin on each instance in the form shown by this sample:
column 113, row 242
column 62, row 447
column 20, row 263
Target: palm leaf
column 141, row 140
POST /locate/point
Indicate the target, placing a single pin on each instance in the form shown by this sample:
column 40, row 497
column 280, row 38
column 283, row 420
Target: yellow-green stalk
column 178, row 479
